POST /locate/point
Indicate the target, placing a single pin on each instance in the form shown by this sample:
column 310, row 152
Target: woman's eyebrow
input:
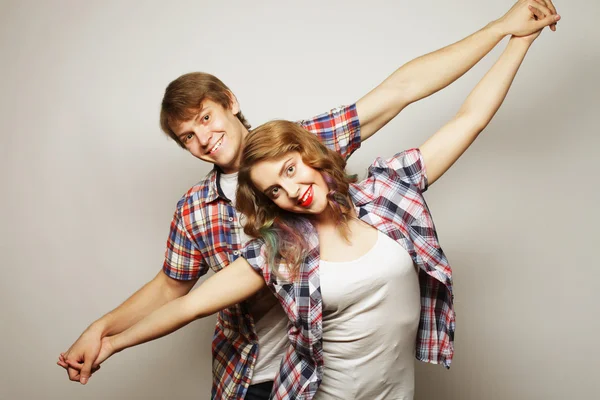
column 280, row 173
column 284, row 165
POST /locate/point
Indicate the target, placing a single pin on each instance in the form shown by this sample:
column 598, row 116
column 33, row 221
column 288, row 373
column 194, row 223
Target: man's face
column 214, row 135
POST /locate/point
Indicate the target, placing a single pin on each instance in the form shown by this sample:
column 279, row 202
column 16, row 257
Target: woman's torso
column 371, row 308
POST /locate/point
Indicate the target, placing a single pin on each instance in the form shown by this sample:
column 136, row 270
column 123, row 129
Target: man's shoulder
column 329, row 119
column 199, row 194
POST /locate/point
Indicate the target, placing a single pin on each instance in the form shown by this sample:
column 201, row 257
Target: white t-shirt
column 371, row 310
column 270, row 328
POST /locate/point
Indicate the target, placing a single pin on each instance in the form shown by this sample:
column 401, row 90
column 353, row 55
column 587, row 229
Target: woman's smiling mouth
column 307, row 197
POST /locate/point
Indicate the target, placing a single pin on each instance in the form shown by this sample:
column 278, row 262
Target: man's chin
column 218, row 161
column 228, row 168
column 223, row 161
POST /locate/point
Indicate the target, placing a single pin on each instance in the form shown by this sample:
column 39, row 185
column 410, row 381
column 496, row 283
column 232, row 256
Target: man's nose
column 203, row 137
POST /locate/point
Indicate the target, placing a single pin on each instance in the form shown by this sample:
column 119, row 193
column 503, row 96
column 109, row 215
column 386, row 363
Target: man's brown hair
column 184, row 96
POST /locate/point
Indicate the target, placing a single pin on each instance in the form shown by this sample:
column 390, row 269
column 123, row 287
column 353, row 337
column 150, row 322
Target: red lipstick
column 307, row 198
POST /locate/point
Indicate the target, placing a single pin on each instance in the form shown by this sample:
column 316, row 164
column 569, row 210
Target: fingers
column 76, row 371
column 79, row 366
column 551, row 6
column 74, row 364
column 61, row 361
column 547, row 4
column 73, row 374
column 541, row 6
column 550, row 19
column 544, row 18
column 86, row 371
column 64, row 362
column 539, row 15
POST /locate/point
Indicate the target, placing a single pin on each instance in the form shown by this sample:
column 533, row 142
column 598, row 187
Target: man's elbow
column 171, row 288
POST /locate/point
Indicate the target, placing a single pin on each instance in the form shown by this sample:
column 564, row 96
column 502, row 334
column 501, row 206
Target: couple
column 316, row 229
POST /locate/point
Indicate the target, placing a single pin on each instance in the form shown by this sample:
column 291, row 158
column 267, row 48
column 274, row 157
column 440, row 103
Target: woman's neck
column 328, row 223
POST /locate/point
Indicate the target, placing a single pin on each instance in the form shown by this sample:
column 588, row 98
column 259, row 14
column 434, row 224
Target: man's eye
column 206, row 117
column 291, row 169
column 188, row 137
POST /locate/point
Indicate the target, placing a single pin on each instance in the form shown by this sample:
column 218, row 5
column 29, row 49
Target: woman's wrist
column 523, row 42
column 115, row 343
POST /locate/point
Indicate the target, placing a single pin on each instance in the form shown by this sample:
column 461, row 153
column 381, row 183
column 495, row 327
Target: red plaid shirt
column 391, row 200
column 205, row 233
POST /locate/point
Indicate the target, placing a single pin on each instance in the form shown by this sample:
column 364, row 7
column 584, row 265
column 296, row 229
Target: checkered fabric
column 391, row 200
column 205, row 233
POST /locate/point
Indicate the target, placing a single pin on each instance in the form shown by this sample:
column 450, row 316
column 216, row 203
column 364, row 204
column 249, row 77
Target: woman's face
column 291, row 184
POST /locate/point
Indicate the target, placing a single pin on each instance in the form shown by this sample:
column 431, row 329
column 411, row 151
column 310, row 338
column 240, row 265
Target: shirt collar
column 214, row 187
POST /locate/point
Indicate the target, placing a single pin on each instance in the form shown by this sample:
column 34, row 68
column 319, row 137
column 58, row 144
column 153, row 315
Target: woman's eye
column 274, row 192
column 206, row 117
column 188, row 137
column 291, row 169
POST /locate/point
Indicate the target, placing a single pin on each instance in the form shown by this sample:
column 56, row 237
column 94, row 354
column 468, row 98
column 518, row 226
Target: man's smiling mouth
column 216, row 146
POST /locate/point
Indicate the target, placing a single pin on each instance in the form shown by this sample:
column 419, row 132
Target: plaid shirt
column 205, row 233
column 391, row 200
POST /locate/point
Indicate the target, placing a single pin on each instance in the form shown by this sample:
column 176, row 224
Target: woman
column 341, row 259
column 320, row 247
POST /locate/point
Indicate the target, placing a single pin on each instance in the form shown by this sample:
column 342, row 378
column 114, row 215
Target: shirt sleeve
column 408, row 166
column 183, row 259
column 255, row 253
column 338, row 129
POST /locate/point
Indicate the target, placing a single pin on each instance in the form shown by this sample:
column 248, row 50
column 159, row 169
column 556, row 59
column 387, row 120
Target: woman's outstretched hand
column 526, row 17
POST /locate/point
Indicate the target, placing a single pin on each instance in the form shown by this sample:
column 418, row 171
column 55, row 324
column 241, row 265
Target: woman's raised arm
column 442, row 149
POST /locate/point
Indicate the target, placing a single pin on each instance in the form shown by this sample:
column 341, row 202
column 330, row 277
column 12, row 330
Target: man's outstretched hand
column 79, row 359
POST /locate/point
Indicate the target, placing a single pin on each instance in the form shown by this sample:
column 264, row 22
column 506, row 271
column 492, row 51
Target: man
column 203, row 116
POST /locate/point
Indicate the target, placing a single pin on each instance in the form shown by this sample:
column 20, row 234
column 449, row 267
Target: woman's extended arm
column 442, row 149
column 235, row 283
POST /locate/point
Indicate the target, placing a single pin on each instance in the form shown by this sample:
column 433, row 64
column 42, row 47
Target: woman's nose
column 292, row 190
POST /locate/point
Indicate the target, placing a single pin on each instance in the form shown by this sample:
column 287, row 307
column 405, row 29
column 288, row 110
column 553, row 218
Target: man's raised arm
column 432, row 72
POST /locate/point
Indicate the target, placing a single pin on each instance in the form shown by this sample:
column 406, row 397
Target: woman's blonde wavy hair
column 283, row 232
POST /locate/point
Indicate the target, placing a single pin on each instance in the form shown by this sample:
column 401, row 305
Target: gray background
column 89, row 183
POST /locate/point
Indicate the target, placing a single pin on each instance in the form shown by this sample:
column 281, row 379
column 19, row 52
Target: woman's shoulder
column 407, row 166
column 253, row 247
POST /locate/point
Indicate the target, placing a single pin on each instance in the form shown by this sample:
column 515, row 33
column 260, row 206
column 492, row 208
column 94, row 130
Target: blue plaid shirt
column 391, row 200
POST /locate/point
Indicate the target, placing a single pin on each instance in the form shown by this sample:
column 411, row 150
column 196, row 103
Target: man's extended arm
column 432, row 72
column 229, row 286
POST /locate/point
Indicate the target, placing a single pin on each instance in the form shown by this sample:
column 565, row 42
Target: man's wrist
column 497, row 29
column 101, row 326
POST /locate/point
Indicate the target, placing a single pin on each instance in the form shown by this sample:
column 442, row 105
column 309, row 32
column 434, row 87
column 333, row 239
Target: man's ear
column 235, row 106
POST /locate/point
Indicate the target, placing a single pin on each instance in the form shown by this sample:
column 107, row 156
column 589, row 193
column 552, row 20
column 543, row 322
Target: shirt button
column 230, row 219
column 236, row 253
